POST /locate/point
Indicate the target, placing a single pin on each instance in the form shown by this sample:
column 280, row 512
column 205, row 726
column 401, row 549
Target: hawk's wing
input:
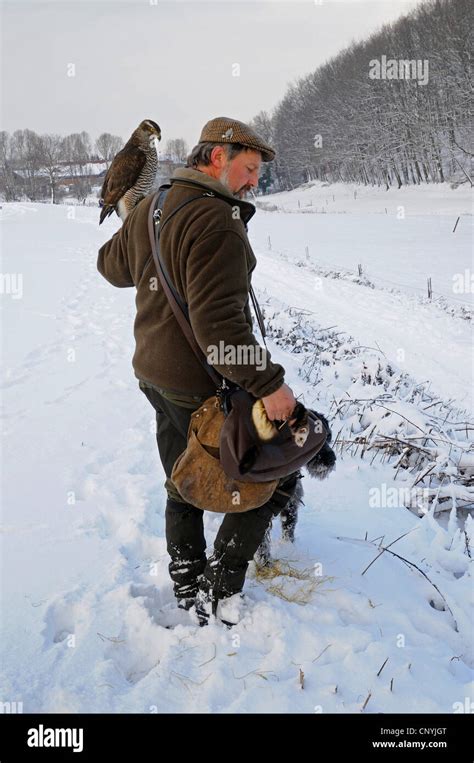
column 122, row 174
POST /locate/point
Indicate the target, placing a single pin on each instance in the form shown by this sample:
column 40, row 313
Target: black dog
column 320, row 466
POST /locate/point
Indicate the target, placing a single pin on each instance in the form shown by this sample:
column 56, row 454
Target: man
column 209, row 259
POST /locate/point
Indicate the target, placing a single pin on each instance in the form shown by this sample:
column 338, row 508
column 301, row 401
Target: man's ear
column 218, row 157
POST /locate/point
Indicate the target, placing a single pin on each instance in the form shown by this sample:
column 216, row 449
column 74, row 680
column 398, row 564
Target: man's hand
column 280, row 404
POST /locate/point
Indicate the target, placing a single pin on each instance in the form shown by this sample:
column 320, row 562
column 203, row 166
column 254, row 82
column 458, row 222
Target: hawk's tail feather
column 106, row 210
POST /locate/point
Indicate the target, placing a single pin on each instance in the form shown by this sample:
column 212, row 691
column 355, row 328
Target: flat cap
column 227, row 130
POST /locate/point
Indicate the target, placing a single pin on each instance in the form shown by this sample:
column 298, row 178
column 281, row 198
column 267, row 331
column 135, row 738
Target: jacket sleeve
column 217, row 288
column 112, row 261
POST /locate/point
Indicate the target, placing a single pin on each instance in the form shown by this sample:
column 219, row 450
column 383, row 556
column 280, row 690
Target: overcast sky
column 172, row 61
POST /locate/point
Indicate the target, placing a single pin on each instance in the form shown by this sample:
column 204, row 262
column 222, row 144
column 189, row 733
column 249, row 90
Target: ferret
column 267, row 430
column 319, row 466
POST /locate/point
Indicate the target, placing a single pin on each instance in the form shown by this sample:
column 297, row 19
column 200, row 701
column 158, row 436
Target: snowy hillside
column 86, row 595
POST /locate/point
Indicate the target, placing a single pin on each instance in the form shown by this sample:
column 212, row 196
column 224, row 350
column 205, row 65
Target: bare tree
column 51, row 152
column 107, row 146
column 177, row 150
column 340, row 123
column 7, row 175
column 76, row 156
column 26, row 162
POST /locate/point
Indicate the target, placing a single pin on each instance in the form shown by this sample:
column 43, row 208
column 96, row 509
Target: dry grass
column 290, row 583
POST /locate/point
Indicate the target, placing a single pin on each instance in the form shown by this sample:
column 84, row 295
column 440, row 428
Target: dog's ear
column 322, row 464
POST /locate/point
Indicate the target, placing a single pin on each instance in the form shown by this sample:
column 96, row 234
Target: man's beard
column 240, row 194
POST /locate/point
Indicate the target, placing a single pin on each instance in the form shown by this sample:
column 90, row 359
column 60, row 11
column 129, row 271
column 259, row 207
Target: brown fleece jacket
column 209, row 259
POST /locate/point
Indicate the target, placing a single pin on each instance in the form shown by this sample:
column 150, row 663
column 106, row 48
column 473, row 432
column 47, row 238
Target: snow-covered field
column 400, row 238
column 85, row 592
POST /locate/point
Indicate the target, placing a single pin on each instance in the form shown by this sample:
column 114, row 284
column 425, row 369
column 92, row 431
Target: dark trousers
column 239, row 535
